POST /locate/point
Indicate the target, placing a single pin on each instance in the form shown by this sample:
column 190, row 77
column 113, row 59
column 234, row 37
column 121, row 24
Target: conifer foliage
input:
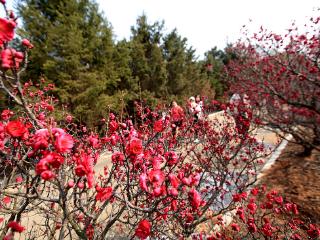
column 75, row 50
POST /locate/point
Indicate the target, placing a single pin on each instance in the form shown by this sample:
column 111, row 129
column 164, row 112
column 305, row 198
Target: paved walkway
column 270, row 140
column 268, row 137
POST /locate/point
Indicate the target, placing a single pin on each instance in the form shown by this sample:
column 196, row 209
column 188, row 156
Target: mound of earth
column 297, row 178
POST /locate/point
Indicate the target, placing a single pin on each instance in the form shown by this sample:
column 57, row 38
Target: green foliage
column 175, row 54
column 147, row 62
column 122, row 61
column 213, row 69
column 74, row 49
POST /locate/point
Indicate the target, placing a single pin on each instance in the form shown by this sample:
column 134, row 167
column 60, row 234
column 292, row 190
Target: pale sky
column 208, row 23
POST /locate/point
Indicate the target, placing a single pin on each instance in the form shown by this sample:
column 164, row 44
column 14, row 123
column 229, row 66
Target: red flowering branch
column 138, row 178
column 280, row 75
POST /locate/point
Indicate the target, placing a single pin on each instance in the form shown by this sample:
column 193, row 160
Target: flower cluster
column 262, row 214
column 135, row 177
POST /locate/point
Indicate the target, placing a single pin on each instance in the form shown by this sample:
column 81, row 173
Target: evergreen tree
column 147, row 63
column 127, row 88
column 122, row 59
column 213, row 67
column 183, row 73
column 174, row 50
column 73, row 49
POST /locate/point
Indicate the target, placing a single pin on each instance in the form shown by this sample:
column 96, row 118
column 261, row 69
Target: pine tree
column 73, row 49
column 179, row 64
column 213, row 68
column 174, row 50
column 147, row 63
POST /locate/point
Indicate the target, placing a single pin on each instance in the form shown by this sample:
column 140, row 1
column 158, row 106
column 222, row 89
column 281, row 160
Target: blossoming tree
column 280, row 74
column 62, row 181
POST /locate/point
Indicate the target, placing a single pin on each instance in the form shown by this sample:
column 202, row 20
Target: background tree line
column 75, row 49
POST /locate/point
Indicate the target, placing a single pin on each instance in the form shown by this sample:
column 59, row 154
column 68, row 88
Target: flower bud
column 26, row 43
column 70, row 183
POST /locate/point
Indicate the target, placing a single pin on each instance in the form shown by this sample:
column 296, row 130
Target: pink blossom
column 103, row 194
column 40, row 139
column 313, row 231
column 6, row 30
column 174, row 205
column 85, row 168
column 278, row 200
column 15, row 226
column 156, row 177
column 56, row 160
column 94, row 141
column 251, row 225
column 25, row 42
column 6, row 114
column 43, row 133
column 8, row 237
column 80, row 170
column 195, row 179
column 252, row 207
column 174, row 180
column 235, row 227
column 19, row 179
column 70, row 183
column 255, row 191
column 113, row 126
column 158, row 126
column 173, row 191
column 90, row 179
column 143, row 230
column 41, row 116
column 69, row 118
column 171, row 158
column 157, row 191
column 187, row 181
column 296, row 236
column 47, row 175
column 239, row 196
column 156, row 162
column 133, row 133
column 135, row 146
column 2, row 130
column 16, row 128
column 64, row 143
column 2, row 127
column 143, row 182
column 267, row 230
column 240, row 213
column 194, row 198
column 57, row 131
column 42, row 165
column 6, row 200
column 117, row 157
column 11, row 58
